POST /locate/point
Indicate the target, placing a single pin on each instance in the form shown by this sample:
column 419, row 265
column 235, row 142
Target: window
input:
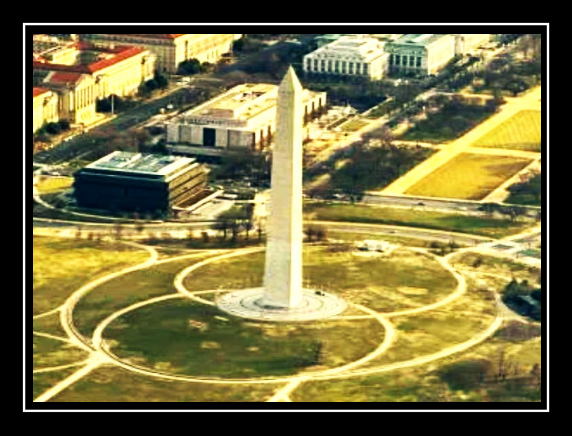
column 391, row 60
column 419, row 62
column 397, row 59
column 315, row 64
column 337, row 66
column 351, row 68
column 323, row 65
column 411, row 61
column 344, row 67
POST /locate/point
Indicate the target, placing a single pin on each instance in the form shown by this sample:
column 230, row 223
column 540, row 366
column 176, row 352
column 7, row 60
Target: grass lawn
column 520, row 132
column 480, row 263
column 49, row 324
column 41, row 382
column 161, row 336
column 399, row 281
column 61, row 266
column 396, row 216
column 108, row 384
column 125, row 290
column 54, row 184
column 353, row 125
column 51, row 352
column 469, row 176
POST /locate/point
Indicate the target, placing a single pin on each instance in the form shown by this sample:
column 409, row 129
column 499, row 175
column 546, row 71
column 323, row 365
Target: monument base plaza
column 250, row 303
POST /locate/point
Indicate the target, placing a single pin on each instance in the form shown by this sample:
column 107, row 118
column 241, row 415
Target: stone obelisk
column 283, row 268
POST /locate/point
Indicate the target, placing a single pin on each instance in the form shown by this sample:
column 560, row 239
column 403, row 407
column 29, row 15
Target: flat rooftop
column 241, row 102
column 421, row 39
column 137, row 163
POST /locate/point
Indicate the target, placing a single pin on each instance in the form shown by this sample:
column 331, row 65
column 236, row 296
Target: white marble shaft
column 283, row 268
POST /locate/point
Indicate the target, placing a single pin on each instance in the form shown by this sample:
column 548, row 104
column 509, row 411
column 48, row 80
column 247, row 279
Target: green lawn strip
column 355, row 237
column 49, row 324
column 469, row 176
column 126, row 290
column 61, row 266
column 41, row 382
column 520, row 132
column 184, row 337
column 51, row 352
column 353, row 125
column 431, row 220
column 109, row 384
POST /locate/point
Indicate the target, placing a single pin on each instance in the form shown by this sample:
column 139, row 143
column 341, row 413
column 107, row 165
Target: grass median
column 359, row 213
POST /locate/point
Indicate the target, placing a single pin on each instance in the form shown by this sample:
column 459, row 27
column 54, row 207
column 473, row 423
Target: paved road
column 437, row 204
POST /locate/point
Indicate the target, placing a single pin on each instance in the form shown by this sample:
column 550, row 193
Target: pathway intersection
column 100, row 354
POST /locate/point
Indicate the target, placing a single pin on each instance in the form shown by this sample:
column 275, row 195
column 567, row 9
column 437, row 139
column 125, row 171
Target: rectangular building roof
column 419, row 39
column 143, row 164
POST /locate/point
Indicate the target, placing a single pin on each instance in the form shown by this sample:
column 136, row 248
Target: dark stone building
column 123, row 181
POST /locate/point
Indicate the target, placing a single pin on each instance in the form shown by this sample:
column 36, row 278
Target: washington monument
column 282, row 298
column 283, row 269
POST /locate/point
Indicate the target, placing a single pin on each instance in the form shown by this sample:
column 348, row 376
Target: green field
column 48, row 352
column 108, row 384
column 161, row 336
column 396, row 216
column 402, row 280
column 125, row 290
column 61, row 266
column 353, row 125
column 527, row 193
column 469, row 176
column 520, row 132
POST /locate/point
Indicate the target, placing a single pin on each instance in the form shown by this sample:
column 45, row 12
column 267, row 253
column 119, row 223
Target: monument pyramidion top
column 290, row 83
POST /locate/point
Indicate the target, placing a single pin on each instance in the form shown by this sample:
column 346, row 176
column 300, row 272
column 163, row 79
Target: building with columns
column 45, row 107
column 421, row 53
column 117, row 70
column 349, row 56
column 76, row 95
column 242, row 117
column 172, row 49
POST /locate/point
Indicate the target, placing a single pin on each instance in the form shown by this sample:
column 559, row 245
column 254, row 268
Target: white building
column 349, row 56
column 421, row 53
column 244, row 116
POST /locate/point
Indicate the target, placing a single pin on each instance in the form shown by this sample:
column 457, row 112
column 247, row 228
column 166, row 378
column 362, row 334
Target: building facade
column 349, row 56
column 76, row 96
column 123, row 181
column 172, row 49
column 243, row 117
column 45, row 107
column 117, row 70
column 421, row 53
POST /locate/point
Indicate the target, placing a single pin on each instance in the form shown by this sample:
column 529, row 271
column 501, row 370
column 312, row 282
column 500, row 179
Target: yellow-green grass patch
column 53, row 184
column 522, row 131
column 126, row 290
column 43, row 381
column 184, row 337
column 469, row 176
column 48, row 352
column 108, row 384
column 61, row 266
column 353, row 125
